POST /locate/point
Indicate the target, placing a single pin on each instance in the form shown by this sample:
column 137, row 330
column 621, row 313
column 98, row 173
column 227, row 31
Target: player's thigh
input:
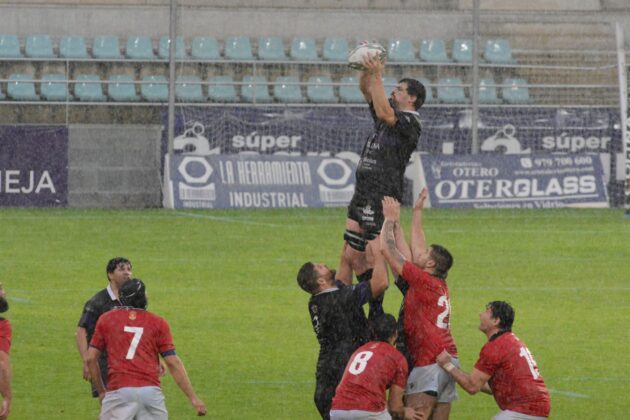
column 152, row 405
column 441, row 411
column 120, row 404
column 425, row 402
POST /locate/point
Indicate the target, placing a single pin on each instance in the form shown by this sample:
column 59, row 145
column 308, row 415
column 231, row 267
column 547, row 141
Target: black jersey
column 94, row 308
column 385, row 155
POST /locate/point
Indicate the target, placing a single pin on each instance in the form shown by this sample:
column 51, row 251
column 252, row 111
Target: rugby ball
column 355, row 58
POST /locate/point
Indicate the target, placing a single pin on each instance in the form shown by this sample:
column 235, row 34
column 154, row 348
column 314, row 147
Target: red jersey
column 133, row 339
column 372, row 368
column 5, row 335
column 514, row 377
column 427, row 314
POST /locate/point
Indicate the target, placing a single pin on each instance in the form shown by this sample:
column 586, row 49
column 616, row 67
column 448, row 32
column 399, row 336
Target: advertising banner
column 33, row 166
column 511, row 181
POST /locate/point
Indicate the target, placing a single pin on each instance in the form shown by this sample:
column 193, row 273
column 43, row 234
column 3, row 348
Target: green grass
column 225, row 280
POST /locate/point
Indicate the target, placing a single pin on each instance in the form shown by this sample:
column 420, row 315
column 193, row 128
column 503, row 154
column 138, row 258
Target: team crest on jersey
column 132, row 315
column 368, row 214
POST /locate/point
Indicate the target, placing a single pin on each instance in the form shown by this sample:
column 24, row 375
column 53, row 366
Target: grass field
column 225, row 280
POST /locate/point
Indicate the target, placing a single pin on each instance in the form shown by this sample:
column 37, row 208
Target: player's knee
column 355, row 240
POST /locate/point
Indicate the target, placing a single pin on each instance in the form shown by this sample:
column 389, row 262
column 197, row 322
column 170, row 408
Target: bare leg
column 425, row 402
column 441, row 411
column 356, row 259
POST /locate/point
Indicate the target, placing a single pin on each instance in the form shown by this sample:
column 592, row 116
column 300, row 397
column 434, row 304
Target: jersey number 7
column 137, row 335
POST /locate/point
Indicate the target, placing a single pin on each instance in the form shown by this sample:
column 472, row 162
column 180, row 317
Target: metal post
column 171, row 75
column 623, row 109
column 475, row 78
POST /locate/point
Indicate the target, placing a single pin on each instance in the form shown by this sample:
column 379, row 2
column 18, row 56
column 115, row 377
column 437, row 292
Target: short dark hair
column 417, row 89
column 133, row 293
column 115, row 262
column 383, row 327
column 504, row 312
column 307, row 278
column 443, row 261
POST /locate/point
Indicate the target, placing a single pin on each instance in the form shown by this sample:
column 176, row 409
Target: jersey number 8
column 359, row 362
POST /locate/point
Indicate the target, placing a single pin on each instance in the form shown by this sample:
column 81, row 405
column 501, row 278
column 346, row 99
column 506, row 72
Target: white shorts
column 358, row 415
column 513, row 415
column 433, row 378
column 134, row 403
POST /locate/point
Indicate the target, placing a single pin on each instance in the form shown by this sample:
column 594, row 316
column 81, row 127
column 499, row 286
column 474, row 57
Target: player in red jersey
column 134, row 339
column 427, row 310
column 373, row 368
column 5, row 360
column 505, row 369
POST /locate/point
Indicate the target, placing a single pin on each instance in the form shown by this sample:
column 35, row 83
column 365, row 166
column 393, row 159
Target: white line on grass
column 246, row 221
column 568, row 393
column 547, row 289
column 19, row 299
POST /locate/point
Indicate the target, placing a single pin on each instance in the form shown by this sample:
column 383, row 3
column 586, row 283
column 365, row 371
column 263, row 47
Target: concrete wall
column 113, row 166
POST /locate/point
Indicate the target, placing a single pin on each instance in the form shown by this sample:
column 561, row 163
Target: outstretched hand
column 419, row 204
column 391, row 209
column 414, row 413
column 373, row 64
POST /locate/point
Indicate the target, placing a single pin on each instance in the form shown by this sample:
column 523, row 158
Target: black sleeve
column 408, row 125
column 89, row 316
column 362, row 292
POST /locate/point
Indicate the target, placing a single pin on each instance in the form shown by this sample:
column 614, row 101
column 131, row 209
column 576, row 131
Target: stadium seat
column 255, row 89
column 516, row 91
column 205, row 48
column 286, row 89
column 139, row 48
column 401, row 50
column 434, row 51
column 429, row 98
column 451, row 91
column 121, row 88
column 72, row 47
column 303, row 49
column 106, row 47
column 164, row 48
column 488, row 92
column 238, row 48
column 349, row 91
column 335, row 49
column 498, row 51
column 221, row 89
column 271, row 49
column 320, row 90
column 154, row 88
column 188, row 89
column 462, row 50
column 54, row 87
column 88, row 88
column 2, row 97
column 10, row 46
column 39, row 46
column 20, row 87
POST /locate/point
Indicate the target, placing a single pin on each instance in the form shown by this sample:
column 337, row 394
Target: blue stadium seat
column 401, row 50
column 320, row 90
column 303, row 49
column 516, row 91
column 462, row 50
column 221, row 89
column 429, row 98
column 271, row 49
column 10, row 46
column 488, row 92
column 2, row 97
column 255, row 89
column 39, row 46
column 238, row 48
column 205, row 48
column 154, row 88
column 349, row 91
column 189, row 89
column 106, row 47
column 88, row 88
column 139, row 48
column 498, row 51
column 21, row 88
column 72, row 47
column 121, row 88
column 451, row 91
column 434, row 51
column 335, row 49
column 287, row 90
column 164, row 48
column 54, row 87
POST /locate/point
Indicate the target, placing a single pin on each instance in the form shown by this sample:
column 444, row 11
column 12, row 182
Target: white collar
column 110, row 292
column 330, row 289
column 413, row 112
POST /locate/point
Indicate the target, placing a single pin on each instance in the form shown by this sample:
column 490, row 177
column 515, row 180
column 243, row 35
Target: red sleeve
column 165, row 340
column 488, row 360
column 98, row 339
column 411, row 273
column 402, row 372
column 5, row 336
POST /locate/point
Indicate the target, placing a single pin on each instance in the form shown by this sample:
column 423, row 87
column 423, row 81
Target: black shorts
column 368, row 213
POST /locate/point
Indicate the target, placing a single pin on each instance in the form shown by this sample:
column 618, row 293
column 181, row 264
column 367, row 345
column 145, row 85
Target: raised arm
column 5, row 384
column 391, row 212
column 472, row 382
column 401, row 243
column 380, row 277
column 384, row 111
column 418, row 240
column 177, row 369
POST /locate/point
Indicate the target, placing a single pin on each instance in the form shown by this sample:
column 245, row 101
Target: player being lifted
column 383, row 160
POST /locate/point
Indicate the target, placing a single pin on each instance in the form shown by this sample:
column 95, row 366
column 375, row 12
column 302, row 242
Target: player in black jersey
column 338, row 319
column 383, row 160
